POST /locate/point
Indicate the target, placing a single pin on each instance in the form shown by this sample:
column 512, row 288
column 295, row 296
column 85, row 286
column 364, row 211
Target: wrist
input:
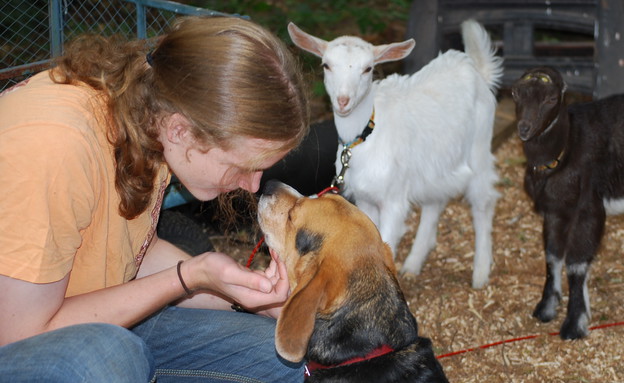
column 183, row 283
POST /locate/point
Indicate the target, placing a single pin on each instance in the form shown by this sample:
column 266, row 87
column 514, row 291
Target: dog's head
column 538, row 95
column 321, row 241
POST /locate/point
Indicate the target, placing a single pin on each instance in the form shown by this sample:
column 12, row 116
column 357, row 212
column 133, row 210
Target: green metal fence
column 33, row 32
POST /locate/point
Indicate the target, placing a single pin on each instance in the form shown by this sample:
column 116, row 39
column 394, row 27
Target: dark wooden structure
column 591, row 57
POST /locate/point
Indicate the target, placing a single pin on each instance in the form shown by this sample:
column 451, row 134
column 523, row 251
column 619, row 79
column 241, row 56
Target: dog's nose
column 271, row 187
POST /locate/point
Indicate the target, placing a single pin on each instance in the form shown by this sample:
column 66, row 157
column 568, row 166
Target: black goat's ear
column 307, row 241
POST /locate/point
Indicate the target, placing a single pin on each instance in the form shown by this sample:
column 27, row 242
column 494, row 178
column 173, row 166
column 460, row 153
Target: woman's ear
column 176, row 129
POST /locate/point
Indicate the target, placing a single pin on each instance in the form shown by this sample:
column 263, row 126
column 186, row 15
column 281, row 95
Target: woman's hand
column 275, row 272
column 263, row 291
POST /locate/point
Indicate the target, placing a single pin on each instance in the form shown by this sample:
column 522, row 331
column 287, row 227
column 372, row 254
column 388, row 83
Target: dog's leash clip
column 345, row 157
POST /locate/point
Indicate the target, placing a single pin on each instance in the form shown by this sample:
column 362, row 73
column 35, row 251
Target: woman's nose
column 251, row 183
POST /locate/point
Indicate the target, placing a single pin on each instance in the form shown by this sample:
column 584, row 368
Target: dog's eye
column 307, row 241
column 325, row 66
column 368, row 69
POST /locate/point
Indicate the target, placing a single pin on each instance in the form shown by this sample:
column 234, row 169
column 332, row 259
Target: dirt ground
column 458, row 318
column 489, row 335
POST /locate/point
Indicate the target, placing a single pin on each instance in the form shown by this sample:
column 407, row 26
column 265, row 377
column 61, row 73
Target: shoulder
column 39, row 100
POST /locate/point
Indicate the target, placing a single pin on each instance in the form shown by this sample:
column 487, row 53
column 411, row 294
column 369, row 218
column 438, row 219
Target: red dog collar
column 379, row 351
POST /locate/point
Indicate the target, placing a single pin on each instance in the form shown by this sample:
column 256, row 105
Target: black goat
column 575, row 176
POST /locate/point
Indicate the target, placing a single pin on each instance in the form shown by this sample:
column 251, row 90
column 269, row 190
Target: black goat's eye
column 552, row 100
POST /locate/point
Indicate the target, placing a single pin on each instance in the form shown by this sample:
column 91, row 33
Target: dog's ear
column 296, row 321
column 389, row 258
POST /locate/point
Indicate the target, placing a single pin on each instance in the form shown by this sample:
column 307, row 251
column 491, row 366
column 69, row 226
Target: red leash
column 255, row 250
column 606, row 325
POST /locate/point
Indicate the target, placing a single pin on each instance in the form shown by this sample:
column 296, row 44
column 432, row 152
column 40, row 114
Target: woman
column 86, row 151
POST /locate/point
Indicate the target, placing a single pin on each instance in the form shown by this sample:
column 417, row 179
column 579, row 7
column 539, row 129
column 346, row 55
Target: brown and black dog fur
column 346, row 301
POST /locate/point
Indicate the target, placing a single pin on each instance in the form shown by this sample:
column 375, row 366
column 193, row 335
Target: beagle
column 346, row 314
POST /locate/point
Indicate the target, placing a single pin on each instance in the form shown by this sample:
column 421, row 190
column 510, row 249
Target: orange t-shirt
column 58, row 202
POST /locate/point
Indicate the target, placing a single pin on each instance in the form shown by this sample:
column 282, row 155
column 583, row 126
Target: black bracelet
column 188, row 292
column 240, row 309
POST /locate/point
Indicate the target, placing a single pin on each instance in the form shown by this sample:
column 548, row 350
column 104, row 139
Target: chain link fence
column 33, row 32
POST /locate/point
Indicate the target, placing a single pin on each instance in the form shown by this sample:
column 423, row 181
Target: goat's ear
column 393, row 52
column 306, row 41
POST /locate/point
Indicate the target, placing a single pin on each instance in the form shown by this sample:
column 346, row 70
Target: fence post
column 55, row 10
column 141, row 20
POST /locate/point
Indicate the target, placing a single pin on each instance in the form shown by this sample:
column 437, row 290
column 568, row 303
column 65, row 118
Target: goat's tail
column 478, row 46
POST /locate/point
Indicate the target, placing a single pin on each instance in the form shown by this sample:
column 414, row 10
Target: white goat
column 431, row 139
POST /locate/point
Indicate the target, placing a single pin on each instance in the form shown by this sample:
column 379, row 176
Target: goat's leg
column 583, row 241
column 546, row 309
column 425, row 237
column 392, row 215
column 483, row 203
column 576, row 322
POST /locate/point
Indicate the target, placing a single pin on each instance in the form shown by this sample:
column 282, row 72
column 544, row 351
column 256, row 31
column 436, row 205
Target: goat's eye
column 550, row 101
column 325, row 66
column 368, row 69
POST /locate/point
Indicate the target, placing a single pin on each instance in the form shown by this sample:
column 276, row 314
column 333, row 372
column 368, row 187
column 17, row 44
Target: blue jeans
column 175, row 345
column 82, row 353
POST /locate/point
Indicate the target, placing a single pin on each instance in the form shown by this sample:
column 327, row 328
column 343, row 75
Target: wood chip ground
column 458, row 318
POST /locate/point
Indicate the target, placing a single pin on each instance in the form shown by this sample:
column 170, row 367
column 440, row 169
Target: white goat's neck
column 352, row 125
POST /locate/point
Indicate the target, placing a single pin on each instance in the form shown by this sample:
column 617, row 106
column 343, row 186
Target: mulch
column 489, row 335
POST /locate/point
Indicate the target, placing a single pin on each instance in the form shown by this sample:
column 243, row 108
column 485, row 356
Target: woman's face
column 206, row 174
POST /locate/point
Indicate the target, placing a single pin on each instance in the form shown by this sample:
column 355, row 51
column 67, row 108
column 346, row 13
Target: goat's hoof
column 407, row 274
column 477, row 285
column 574, row 329
column 546, row 309
column 480, row 279
column 411, row 267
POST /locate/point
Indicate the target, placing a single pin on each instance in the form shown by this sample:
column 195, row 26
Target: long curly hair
column 228, row 76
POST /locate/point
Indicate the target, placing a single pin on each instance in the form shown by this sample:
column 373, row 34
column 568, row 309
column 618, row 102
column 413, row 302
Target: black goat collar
column 550, row 165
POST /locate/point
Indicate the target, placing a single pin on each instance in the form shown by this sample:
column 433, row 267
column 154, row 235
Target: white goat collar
column 368, row 129
column 345, row 156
